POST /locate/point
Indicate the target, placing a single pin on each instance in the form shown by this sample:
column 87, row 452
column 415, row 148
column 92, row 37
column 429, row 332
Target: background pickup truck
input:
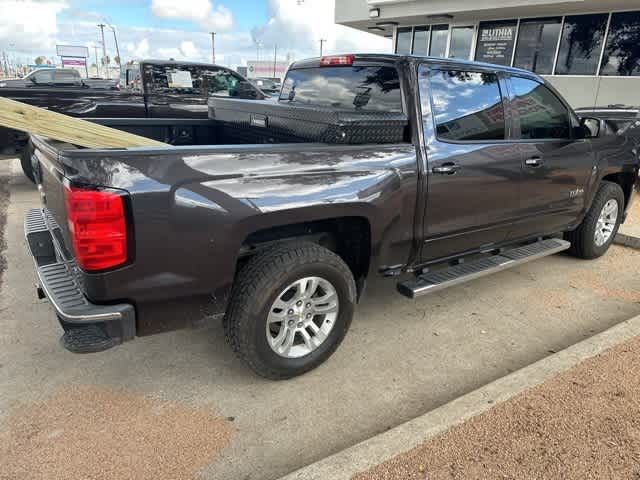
column 152, row 89
column 494, row 169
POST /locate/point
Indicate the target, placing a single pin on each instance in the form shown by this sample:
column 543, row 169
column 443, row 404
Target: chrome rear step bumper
column 59, row 282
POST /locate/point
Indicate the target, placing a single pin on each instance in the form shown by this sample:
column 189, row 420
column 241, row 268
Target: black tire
column 25, row 162
column 256, row 287
column 583, row 244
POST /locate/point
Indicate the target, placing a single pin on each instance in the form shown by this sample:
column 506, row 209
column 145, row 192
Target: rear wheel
column 290, row 308
column 595, row 234
column 25, row 163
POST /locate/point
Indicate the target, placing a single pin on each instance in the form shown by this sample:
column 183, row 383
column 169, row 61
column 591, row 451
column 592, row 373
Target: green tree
column 39, row 60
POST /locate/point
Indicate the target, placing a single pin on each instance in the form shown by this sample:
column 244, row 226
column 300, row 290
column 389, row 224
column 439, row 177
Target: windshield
column 369, row 89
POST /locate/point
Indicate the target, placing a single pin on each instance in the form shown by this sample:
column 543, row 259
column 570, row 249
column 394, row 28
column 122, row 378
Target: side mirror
column 592, row 127
column 33, row 79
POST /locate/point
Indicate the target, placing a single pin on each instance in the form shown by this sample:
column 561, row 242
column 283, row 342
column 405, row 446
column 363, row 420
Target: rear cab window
column 345, row 88
column 197, row 80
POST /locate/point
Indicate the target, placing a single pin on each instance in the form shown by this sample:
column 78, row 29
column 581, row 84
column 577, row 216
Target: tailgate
column 49, row 176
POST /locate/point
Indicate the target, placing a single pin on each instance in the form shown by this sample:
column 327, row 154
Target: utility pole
column 213, row 47
column 115, row 39
column 104, row 48
column 275, row 56
column 322, row 40
column 95, row 49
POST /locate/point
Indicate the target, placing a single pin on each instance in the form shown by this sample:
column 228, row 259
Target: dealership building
column 588, row 49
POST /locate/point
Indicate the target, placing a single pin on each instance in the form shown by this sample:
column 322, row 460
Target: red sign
column 74, row 62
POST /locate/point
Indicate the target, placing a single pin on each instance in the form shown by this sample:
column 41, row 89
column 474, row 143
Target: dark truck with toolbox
column 432, row 172
column 161, row 99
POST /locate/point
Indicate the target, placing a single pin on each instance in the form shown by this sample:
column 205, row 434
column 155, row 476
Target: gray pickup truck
column 278, row 240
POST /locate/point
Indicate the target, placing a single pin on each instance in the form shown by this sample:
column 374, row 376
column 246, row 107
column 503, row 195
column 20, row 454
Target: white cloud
column 138, row 50
column 299, row 26
column 186, row 51
column 202, row 12
column 295, row 28
column 29, row 26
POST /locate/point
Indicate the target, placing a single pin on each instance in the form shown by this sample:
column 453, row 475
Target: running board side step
column 464, row 272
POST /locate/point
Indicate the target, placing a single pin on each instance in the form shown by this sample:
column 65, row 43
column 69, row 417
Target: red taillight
column 97, row 227
column 337, row 60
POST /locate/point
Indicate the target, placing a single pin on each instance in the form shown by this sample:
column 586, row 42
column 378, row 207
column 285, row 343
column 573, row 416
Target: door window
column 467, row 106
column 66, row 77
column 542, row 115
column 45, row 76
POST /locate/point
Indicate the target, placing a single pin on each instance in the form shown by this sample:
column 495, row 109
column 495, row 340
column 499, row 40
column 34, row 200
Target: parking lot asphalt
column 401, row 359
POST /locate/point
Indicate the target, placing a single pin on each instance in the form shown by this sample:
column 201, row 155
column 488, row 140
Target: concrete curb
column 627, row 241
column 360, row 457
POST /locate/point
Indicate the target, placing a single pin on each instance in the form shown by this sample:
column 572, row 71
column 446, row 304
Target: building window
column 403, row 41
column 461, row 41
column 581, row 44
column 542, row 115
column 496, row 41
column 421, row 41
column 622, row 51
column 537, row 43
column 467, row 106
column 439, row 36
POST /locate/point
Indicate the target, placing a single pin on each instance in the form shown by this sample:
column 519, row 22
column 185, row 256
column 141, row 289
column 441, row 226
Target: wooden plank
column 39, row 121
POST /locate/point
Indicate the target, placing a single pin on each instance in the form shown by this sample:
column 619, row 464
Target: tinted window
column 622, row 52
column 44, row 76
column 190, row 79
column 439, row 35
column 66, row 77
column 345, row 88
column 467, row 106
column 461, row 40
column 421, row 41
column 542, row 114
column 403, row 41
column 496, row 41
column 581, row 44
column 537, row 42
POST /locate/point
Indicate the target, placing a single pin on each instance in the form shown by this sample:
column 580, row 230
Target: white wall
column 585, row 91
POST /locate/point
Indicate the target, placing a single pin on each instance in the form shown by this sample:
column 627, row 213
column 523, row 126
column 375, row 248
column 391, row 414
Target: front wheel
column 595, row 234
column 290, row 308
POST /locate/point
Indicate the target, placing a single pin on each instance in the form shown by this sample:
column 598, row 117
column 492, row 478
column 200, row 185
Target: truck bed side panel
column 193, row 207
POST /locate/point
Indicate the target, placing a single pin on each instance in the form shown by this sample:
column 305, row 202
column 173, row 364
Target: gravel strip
column 4, row 205
column 584, row 423
column 92, row 433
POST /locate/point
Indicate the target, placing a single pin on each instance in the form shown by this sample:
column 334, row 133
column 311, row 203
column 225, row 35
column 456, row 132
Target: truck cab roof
column 392, row 58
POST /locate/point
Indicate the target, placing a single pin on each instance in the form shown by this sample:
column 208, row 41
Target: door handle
column 534, row 162
column 446, row 169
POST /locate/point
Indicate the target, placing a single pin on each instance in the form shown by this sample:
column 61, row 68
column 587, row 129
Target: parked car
column 493, row 169
column 58, row 78
column 152, row 89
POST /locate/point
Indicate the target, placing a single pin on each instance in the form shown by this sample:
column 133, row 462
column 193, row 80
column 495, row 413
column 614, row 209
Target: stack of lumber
column 39, row 121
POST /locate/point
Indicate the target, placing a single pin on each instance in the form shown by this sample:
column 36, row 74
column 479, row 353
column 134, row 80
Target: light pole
column 104, row 49
column 213, row 47
column 95, row 50
column 322, row 40
column 115, row 39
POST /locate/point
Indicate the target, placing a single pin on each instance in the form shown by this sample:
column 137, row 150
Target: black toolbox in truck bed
column 277, row 122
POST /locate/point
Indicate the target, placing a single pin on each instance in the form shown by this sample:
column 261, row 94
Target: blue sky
column 180, row 29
